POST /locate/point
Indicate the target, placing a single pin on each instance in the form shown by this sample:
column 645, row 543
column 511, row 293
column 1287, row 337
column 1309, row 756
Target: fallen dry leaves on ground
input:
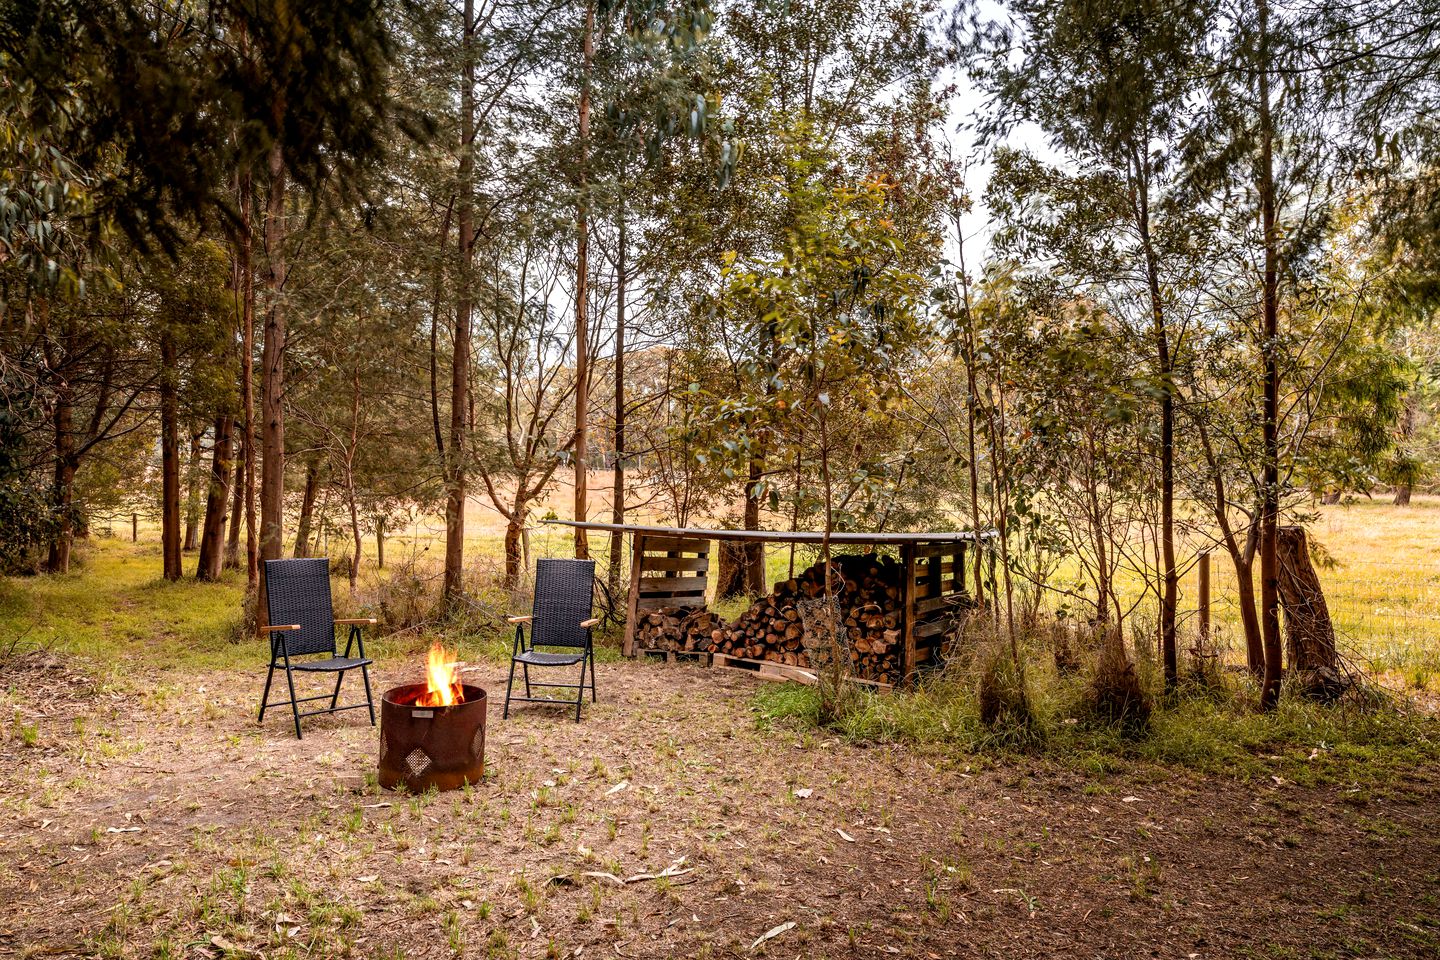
column 158, row 820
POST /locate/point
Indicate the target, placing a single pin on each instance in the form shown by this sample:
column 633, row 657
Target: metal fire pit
column 424, row 747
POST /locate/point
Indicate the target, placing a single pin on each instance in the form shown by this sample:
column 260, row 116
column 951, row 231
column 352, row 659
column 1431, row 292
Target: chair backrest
column 564, row 596
column 298, row 591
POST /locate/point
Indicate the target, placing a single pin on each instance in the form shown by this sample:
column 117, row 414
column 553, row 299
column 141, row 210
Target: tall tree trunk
column 1171, row 578
column 971, row 399
column 245, row 482
column 582, row 291
column 460, row 360
column 1270, row 413
column 436, row 311
column 617, row 539
column 380, row 543
column 169, row 459
column 754, row 552
column 1249, row 615
column 307, row 507
column 192, row 490
column 237, row 501
column 351, row 451
column 63, row 496
column 212, row 545
column 1405, row 431
column 514, row 545
column 272, row 372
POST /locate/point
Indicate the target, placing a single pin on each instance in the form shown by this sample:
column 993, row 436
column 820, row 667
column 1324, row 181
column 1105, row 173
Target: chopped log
column 677, row 629
column 868, row 590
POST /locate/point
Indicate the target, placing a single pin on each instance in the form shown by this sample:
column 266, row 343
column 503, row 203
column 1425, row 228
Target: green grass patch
column 1217, row 734
column 116, row 614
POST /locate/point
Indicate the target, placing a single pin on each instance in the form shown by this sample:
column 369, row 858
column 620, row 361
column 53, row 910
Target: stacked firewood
column 868, row 590
column 676, row 628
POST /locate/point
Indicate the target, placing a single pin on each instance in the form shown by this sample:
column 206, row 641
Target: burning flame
column 442, row 680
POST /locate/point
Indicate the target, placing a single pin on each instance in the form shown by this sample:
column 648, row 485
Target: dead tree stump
column 1309, row 631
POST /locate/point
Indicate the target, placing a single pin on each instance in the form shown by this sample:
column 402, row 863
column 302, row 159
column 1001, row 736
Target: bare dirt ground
column 155, row 820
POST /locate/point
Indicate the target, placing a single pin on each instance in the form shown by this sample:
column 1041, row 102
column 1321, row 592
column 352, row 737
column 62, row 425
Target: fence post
column 1204, row 598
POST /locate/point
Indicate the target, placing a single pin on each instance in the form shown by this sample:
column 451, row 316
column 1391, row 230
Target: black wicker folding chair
column 302, row 623
column 559, row 620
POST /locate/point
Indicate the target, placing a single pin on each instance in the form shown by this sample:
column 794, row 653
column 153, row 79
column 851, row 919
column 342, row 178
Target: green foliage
column 838, row 316
column 130, row 119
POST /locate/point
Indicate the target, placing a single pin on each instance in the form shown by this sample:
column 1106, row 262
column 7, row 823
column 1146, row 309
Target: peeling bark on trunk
column 1309, row 632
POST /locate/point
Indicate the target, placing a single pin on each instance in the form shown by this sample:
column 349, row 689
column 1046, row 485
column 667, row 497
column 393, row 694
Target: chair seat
column 331, row 664
column 549, row 659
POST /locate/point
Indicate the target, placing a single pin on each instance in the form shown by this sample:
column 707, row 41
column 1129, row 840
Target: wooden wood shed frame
column 669, row 567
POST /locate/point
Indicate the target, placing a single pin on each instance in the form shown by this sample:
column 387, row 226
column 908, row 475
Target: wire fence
column 1385, row 614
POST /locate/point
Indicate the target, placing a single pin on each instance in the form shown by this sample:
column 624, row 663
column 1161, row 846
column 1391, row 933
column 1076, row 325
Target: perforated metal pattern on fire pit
column 424, row 747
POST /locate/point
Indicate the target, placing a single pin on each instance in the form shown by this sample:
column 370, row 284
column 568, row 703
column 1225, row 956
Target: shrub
column 1116, row 695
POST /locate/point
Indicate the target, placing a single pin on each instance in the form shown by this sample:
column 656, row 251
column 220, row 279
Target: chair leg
column 369, row 700
column 335, row 697
column 294, row 705
column 526, row 668
column 580, row 692
column 509, row 685
column 265, row 697
column 592, row 676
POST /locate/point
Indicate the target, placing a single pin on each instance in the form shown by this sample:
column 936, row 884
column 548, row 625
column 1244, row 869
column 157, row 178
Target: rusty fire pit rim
column 473, row 694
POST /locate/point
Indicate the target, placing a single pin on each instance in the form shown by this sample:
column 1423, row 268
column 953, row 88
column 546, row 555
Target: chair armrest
column 524, row 619
column 591, row 622
column 276, row 628
column 357, row 622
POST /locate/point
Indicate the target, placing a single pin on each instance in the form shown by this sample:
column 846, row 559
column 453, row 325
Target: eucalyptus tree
column 1112, row 88
column 831, row 90
column 845, row 314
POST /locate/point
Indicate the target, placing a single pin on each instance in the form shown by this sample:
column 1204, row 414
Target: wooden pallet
column 697, row 657
column 783, row 672
column 764, row 669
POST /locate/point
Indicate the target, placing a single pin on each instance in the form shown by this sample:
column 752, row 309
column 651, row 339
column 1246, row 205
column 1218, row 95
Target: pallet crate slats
column 931, row 604
column 646, row 604
column 907, row 656
column 665, row 572
column 677, row 545
column 653, row 585
column 932, row 628
column 670, row 572
column 677, row 564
